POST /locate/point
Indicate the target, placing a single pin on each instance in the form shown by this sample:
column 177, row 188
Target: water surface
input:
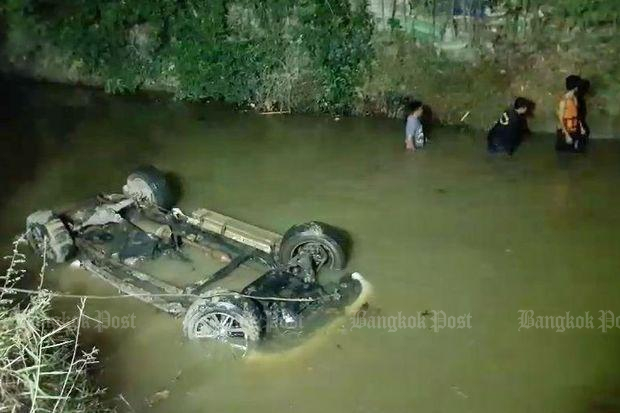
column 447, row 228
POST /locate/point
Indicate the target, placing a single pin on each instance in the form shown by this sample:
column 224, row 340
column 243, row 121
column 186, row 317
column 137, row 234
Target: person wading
column 414, row 133
column 507, row 133
column 571, row 135
column 582, row 106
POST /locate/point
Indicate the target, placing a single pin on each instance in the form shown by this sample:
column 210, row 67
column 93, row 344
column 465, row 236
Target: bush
column 243, row 51
column 42, row 367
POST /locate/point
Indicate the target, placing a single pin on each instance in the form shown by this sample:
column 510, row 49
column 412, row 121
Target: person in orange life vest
column 571, row 136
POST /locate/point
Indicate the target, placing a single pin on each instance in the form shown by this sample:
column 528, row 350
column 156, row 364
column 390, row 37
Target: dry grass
column 293, row 85
column 42, row 367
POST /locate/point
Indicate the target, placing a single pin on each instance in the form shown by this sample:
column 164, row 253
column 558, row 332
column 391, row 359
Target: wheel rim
column 224, row 328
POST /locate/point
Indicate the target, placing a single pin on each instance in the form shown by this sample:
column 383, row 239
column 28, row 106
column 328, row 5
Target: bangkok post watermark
column 432, row 320
column 606, row 321
column 102, row 320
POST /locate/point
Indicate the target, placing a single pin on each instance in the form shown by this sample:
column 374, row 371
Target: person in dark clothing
column 582, row 107
column 507, row 133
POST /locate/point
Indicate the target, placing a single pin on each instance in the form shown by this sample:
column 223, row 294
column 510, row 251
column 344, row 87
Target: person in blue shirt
column 414, row 133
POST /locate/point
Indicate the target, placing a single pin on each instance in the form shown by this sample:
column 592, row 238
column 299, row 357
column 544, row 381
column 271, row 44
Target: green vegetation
column 341, row 56
column 468, row 67
column 42, row 367
column 278, row 54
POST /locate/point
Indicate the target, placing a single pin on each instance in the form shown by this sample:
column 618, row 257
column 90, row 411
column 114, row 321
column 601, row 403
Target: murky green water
column 445, row 229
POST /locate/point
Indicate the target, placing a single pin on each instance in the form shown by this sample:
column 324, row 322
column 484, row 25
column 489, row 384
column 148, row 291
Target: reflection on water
column 444, row 229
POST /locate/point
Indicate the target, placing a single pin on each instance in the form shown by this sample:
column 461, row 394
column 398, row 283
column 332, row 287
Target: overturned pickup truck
column 110, row 234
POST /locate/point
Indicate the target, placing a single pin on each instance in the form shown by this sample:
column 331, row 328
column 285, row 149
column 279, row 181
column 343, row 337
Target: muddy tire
column 149, row 185
column 234, row 320
column 48, row 235
column 333, row 241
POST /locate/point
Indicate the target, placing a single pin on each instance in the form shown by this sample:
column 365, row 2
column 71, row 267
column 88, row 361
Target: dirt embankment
column 465, row 79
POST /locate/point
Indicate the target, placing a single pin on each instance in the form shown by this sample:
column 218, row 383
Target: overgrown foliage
column 278, row 54
column 459, row 56
column 42, row 368
column 468, row 58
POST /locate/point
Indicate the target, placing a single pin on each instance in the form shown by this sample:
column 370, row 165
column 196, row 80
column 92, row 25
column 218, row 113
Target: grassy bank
column 474, row 93
column 339, row 56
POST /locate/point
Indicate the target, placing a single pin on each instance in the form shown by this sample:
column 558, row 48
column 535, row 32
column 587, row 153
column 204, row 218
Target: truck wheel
column 234, row 320
column 48, row 235
column 149, row 185
column 326, row 245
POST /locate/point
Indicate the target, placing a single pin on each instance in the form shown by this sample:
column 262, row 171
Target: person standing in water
column 582, row 107
column 571, row 135
column 414, row 133
column 507, row 133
